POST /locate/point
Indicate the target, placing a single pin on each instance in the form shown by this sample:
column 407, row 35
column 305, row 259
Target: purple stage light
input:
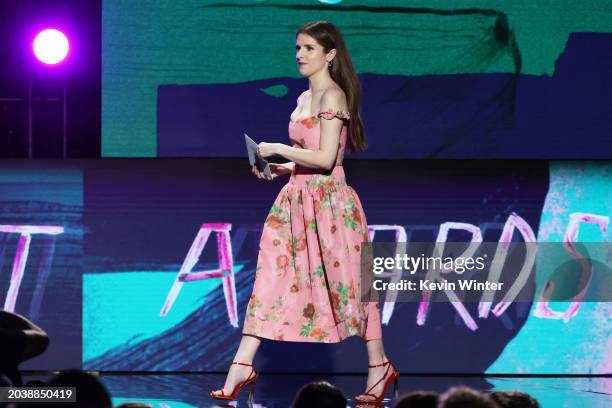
column 51, row 46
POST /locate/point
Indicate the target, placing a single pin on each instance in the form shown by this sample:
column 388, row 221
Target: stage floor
column 184, row 390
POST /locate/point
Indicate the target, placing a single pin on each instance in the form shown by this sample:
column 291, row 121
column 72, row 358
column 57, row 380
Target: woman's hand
column 276, row 169
column 268, row 149
column 260, row 174
column 280, row 169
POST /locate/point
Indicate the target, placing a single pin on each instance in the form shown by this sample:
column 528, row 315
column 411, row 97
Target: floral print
column 310, row 122
column 308, row 280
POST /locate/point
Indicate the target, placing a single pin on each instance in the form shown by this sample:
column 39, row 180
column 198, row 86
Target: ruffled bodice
column 306, row 133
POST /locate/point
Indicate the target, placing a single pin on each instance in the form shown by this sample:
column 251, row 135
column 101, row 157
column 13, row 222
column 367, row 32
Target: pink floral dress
column 307, row 285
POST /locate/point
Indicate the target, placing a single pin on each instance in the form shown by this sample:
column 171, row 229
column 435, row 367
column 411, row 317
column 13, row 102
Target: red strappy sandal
column 392, row 377
column 250, row 380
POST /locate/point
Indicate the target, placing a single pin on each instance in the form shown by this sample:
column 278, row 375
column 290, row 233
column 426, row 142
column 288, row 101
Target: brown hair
column 343, row 73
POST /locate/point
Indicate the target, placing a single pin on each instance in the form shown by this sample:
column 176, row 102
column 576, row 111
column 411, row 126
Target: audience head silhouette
column 90, row 392
column 320, row 394
column 418, row 399
column 464, row 397
column 514, row 399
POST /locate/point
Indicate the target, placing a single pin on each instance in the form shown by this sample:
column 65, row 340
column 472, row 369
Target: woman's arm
column 286, row 167
column 325, row 156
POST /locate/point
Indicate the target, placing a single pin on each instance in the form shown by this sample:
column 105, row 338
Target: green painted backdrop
column 148, row 43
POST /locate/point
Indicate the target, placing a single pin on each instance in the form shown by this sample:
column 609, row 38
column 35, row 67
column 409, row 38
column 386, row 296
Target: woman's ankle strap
column 384, row 363
column 244, row 364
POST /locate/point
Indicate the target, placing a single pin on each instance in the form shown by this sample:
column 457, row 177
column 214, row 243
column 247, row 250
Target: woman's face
column 310, row 55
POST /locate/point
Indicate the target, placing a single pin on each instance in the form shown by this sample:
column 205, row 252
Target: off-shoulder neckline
column 325, row 112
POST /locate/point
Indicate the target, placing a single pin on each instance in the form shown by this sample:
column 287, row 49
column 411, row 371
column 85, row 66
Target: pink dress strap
column 329, row 114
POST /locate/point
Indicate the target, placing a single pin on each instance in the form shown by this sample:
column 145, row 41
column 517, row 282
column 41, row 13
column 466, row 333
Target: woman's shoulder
column 333, row 98
column 333, row 104
column 333, row 93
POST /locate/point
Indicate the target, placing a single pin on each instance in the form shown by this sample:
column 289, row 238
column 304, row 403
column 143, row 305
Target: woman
column 307, row 282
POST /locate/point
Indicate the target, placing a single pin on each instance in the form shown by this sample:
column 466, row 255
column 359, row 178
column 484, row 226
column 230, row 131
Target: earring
column 330, row 64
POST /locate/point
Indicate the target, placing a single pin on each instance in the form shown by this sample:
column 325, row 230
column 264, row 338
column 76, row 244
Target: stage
column 133, row 230
column 185, row 390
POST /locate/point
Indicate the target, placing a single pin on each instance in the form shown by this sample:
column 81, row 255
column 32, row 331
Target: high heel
column 251, row 393
column 392, row 378
column 396, row 387
column 250, row 380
